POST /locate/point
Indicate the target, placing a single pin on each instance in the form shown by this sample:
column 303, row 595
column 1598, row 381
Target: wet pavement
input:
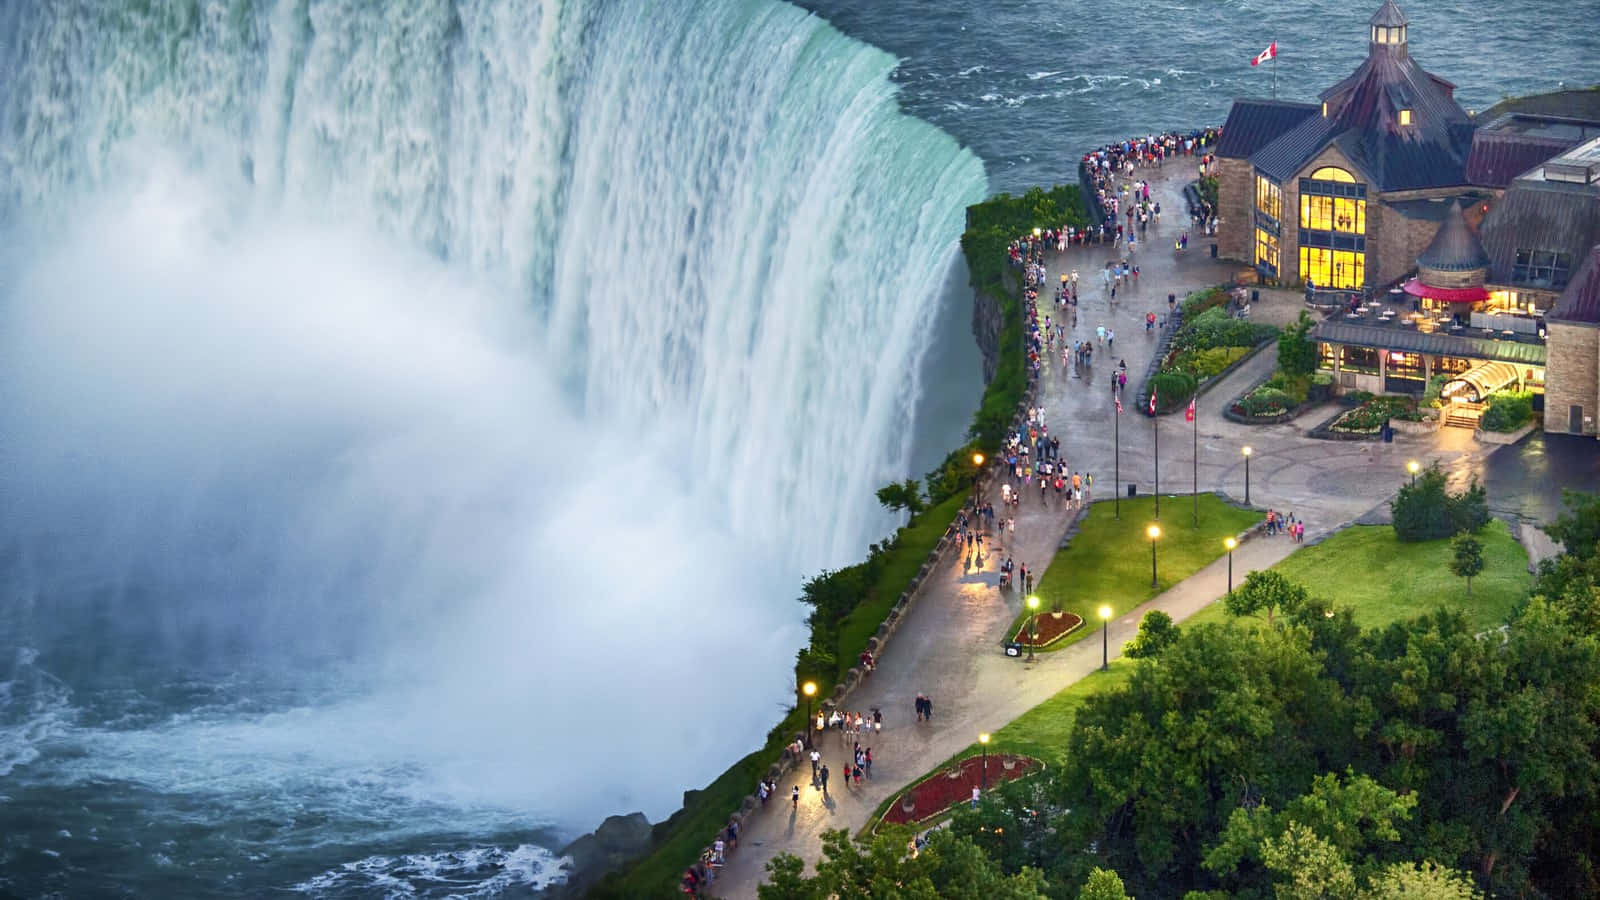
column 948, row 645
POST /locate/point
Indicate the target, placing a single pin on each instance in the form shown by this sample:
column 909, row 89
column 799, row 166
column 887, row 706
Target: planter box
column 1426, row 426
column 1504, row 437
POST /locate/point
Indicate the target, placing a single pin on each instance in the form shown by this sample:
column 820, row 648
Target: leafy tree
column 1156, row 633
column 1265, row 592
column 1103, row 884
column 948, row 867
column 1426, row 511
column 1011, row 825
column 1308, row 867
column 1578, row 527
column 1467, row 558
column 1420, row 881
column 906, row 495
column 1297, row 355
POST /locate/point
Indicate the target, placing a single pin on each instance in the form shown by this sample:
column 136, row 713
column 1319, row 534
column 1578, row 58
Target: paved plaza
column 949, row 645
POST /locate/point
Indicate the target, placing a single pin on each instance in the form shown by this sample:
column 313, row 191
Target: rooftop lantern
column 1388, row 29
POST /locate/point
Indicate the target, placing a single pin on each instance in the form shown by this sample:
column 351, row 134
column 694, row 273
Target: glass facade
column 1266, row 250
column 1333, row 229
column 1269, row 198
column 1542, row 269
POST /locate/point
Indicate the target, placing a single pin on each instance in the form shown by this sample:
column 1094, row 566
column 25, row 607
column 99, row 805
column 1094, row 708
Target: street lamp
column 810, row 690
column 1230, row 543
column 1154, row 531
column 1105, row 638
column 977, row 479
column 983, row 741
column 1413, row 467
column 1033, row 625
column 1247, row 452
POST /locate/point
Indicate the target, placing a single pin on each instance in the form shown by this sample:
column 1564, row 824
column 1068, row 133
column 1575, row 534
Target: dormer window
column 1324, row 109
column 1405, row 117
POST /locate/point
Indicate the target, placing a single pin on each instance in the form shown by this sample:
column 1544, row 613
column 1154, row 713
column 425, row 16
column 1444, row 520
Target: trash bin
column 1388, row 433
column 1013, row 648
column 1213, row 251
column 1255, row 296
column 1133, row 490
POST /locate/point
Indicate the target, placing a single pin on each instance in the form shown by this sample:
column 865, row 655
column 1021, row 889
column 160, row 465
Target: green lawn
column 1367, row 568
column 1108, row 560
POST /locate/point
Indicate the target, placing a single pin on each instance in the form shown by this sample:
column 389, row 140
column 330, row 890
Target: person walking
column 794, row 798
column 816, row 759
column 824, row 773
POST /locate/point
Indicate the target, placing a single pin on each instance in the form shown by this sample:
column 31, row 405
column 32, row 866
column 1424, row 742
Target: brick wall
column 1236, row 194
column 1399, row 241
column 1572, row 374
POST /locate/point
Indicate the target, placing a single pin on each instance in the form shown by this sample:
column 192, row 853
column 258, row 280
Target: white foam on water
column 470, row 872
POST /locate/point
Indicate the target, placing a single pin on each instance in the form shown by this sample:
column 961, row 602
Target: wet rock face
column 988, row 320
column 619, row 839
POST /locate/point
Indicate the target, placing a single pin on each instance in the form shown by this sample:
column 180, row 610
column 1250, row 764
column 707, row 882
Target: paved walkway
column 948, row 647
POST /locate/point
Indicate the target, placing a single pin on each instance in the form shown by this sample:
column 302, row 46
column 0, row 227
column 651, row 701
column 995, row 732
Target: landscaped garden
column 1508, row 411
column 1208, row 343
column 953, row 784
column 1108, row 560
column 1372, row 411
column 1292, row 385
column 1046, row 629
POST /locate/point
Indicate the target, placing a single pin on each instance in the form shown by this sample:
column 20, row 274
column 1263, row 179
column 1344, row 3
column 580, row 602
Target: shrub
column 1508, row 411
column 1297, row 355
column 1425, row 510
column 1200, row 301
column 1206, row 363
column 1321, row 387
column 1264, row 402
column 1430, row 395
column 1173, row 389
column 1298, row 387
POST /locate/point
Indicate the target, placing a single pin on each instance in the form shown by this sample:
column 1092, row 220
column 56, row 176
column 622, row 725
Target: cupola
column 1388, row 29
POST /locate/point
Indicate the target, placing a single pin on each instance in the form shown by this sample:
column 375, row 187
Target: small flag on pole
column 1152, row 400
column 1118, row 402
column 1188, row 414
column 1270, row 53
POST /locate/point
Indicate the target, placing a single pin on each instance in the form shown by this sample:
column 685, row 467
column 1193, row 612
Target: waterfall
column 478, row 377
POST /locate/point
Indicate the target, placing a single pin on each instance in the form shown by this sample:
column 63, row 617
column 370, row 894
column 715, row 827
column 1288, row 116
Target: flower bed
column 1052, row 627
column 1372, row 413
column 948, row 787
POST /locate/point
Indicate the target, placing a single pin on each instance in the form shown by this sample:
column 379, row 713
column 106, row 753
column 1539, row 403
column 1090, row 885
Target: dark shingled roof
column 1516, row 142
column 1581, row 300
column 1389, row 15
column 1409, row 340
column 1454, row 248
column 1364, row 121
column 1539, row 215
column 1578, row 104
column 1253, row 123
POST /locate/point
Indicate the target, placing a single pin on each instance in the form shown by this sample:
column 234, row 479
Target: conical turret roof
column 1455, row 248
column 1388, row 15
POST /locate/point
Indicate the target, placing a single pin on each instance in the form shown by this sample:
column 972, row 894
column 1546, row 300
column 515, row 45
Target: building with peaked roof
column 1340, row 196
column 1572, row 397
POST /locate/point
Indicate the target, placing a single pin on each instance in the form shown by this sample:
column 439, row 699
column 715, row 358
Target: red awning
column 1450, row 295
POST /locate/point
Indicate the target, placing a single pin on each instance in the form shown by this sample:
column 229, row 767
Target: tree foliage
column 1578, row 526
column 1297, row 354
column 1425, row 510
column 1466, row 558
column 1156, row 633
column 902, row 495
column 1266, row 593
column 1103, row 884
column 947, row 868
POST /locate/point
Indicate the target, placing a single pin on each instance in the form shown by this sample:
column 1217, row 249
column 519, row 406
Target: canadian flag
column 1118, row 402
column 1152, row 400
column 1188, row 414
column 1269, row 53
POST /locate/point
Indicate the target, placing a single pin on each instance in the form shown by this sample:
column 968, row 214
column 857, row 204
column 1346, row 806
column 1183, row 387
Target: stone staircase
column 1463, row 415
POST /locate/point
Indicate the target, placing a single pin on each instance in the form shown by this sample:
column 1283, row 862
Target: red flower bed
column 1051, row 629
column 940, row 791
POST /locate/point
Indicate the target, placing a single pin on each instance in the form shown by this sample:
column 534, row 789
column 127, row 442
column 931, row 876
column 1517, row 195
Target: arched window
column 1333, row 173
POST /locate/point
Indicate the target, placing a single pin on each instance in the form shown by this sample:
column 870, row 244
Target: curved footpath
column 948, row 646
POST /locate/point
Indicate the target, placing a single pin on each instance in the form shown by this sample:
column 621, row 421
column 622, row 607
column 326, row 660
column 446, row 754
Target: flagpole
column 1196, row 489
column 1155, row 429
column 1274, row 72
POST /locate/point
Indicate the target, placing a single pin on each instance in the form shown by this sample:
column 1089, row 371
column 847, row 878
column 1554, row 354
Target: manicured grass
column 916, row 542
column 1042, row 731
column 1108, row 560
column 1386, row 581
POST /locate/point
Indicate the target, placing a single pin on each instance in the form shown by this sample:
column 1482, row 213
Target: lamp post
column 1247, row 453
column 1105, row 638
column 1230, row 543
column 1154, row 531
column 1033, row 625
column 977, row 479
column 983, row 741
column 1413, row 467
column 810, row 690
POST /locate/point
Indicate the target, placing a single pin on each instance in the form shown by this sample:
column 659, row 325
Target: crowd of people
column 1278, row 524
column 1111, row 201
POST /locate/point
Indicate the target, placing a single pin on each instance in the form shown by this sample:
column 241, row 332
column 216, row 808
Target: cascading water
column 416, row 419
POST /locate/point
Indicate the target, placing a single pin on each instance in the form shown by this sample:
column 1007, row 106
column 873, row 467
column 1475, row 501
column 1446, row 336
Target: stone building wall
column 1399, row 242
column 1572, row 375
column 1236, row 194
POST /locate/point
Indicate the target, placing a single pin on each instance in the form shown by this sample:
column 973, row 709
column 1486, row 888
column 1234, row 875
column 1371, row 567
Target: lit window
column 1541, row 268
column 1405, row 117
column 1332, row 173
column 1324, row 109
